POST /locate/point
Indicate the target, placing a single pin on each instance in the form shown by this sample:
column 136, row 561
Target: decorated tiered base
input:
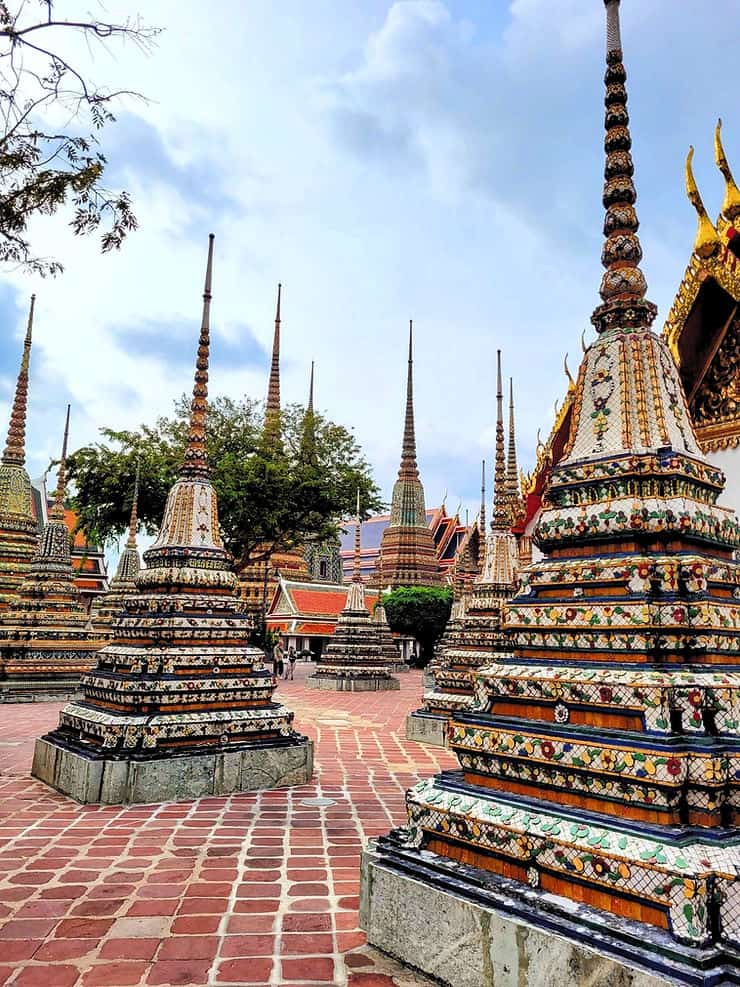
column 471, row 638
column 360, row 654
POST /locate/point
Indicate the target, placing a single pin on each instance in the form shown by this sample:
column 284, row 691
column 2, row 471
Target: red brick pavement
column 248, row 889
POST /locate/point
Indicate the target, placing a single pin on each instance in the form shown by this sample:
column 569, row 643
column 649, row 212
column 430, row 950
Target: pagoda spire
column 272, row 407
column 357, row 573
column 731, row 205
column 500, row 520
column 15, row 447
column 196, row 463
column 482, row 515
column 409, row 468
column 57, row 509
column 307, row 452
column 623, row 285
column 512, row 473
column 134, row 519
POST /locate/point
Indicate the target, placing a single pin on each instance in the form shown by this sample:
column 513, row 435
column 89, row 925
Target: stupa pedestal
column 179, row 705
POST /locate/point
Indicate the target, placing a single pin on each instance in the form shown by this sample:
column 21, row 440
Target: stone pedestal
column 442, row 919
column 353, row 683
column 426, row 728
column 89, row 777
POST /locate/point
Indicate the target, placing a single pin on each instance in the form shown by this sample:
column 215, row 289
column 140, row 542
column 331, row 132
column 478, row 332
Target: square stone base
column 463, row 932
column 344, row 683
column 427, row 728
column 51, row 691
column 169, row 779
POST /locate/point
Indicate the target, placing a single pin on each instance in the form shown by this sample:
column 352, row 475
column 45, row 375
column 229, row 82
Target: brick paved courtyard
column 246, row 889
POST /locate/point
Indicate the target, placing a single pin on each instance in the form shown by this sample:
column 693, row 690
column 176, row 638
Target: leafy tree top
column 269, row 497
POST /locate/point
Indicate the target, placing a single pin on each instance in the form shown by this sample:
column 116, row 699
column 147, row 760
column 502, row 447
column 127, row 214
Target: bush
column 421, row 612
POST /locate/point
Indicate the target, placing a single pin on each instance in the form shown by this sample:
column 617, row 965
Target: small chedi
column 18, row 528
column 46, row 641
column 107, row 607
column 593, row 832
column 408, row 556
column 361, row 652
column 474, row 634
column 179, row 704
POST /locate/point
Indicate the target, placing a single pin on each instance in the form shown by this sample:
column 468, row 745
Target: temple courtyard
column 258, row 888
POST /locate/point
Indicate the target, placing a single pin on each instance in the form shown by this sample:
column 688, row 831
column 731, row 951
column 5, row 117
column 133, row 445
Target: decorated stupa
column 18, row 526
column 592, row 834
column 46, row 641
column 408, row 556
column 360, row 655
column 474, row 634
column 112, row 603
column 179, row 705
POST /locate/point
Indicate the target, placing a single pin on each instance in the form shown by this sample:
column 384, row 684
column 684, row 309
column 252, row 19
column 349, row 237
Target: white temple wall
column 728, row 461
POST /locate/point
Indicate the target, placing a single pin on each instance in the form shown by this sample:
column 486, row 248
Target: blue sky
column 430, row 159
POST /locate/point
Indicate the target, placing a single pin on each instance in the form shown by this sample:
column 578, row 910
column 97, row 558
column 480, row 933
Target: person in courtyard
column 290, row 667
column 278, row 663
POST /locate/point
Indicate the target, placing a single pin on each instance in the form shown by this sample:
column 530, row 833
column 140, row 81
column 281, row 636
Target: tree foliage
column 421, row 612
column 51, row 118
column 268, row 498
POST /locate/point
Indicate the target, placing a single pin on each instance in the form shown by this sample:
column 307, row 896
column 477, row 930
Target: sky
column 439, row 160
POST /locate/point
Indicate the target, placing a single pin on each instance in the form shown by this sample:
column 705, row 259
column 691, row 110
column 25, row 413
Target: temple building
column 594, row 824
column 46, row 641
column 474, row 633
column 179, row 705
column 408, row 556
column 447, row 531
column 18, row 528
column 703, row 325
column 110, row 605
column 361, row 654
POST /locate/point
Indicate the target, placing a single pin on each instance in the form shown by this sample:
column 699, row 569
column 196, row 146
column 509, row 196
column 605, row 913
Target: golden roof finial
column 731, row 204
column 583, row 342
column 571, row 382
column 707, row 240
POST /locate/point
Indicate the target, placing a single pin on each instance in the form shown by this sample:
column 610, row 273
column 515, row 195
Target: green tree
column 52, row 115
column 421, row 612
column 268, row 498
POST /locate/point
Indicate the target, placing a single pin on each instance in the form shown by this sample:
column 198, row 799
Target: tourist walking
column 290, row 668
column 278, row 664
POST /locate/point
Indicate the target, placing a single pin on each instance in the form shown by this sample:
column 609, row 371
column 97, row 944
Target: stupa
column 46, row 641
column 407, row 553
column 386, row 641
column 592, row 834
column 108, row 606
column 474, row 635
column 179, row 705
column 18, row 527
column 360, row 655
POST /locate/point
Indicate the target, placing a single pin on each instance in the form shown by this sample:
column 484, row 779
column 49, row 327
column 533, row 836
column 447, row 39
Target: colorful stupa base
column 91, row 777
column 353, row 679
column 38, row 676
column 471, row 928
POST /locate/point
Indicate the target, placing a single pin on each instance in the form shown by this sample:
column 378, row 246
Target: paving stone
column 253, row 888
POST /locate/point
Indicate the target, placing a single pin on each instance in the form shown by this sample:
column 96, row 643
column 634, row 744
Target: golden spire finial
column 731, row 204
column 15, row 447
column 196, row 463
column 707, row 240
column 571, row 382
